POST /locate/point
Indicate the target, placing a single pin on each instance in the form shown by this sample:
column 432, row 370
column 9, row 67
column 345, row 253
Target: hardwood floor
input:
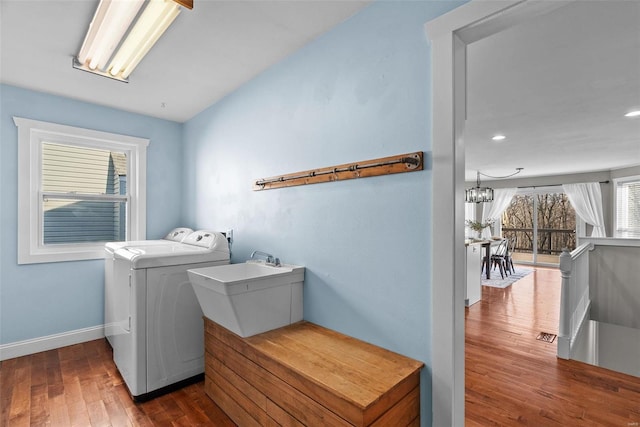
column 80, row 386
column 514, row 379
column 511, row 378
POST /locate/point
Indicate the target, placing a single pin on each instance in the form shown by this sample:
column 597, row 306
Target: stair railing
column 575, row 300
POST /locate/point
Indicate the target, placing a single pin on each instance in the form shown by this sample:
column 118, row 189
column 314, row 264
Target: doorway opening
column 449, row 35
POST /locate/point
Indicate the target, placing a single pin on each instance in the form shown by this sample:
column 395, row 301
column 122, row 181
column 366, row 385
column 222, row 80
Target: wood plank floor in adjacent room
column 514, row 379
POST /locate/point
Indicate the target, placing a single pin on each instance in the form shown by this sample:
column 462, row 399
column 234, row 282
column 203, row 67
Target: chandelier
column 480, row 194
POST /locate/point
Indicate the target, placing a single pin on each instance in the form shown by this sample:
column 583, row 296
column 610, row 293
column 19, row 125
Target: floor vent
column 546, row 337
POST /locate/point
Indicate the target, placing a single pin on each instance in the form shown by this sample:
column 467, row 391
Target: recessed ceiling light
column 499, row 137
column 635, row 113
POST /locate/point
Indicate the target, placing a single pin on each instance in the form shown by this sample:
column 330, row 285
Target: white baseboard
column 564, row 347
column 36, row 345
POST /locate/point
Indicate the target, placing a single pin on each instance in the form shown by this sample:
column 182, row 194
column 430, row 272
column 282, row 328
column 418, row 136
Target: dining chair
column 511, row 247
column 498, row 258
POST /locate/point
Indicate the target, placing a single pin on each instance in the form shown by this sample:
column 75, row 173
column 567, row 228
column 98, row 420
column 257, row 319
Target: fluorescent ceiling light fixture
column 499, row 137
column 635, row 113
column 113, row 20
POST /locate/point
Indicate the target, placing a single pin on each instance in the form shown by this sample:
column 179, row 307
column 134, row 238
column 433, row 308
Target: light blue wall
column 361, row 91
column 43, row 299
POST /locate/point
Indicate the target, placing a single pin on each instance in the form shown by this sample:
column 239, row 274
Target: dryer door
column 175, row 328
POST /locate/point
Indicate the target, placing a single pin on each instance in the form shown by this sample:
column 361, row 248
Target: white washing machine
column 159, row 343
column 111, row 305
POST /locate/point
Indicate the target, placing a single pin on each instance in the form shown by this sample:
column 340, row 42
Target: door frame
column 449, row 35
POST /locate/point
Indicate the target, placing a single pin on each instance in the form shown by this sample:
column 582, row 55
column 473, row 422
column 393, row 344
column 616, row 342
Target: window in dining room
column 542, row 223
column 627, row 207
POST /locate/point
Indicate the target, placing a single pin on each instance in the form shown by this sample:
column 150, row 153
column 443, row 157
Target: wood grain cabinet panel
column 306, row 375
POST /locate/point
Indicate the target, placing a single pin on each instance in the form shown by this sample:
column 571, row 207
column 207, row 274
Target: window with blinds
column 84, row 197
column 77, row 189
column 628, row 207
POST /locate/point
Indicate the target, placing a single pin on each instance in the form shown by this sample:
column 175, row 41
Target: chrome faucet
column 270, row 259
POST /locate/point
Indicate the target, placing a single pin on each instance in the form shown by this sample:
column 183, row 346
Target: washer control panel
column 204, row 238
column 178, row 234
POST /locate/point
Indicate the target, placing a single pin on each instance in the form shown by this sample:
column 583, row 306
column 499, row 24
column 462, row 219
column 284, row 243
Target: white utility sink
column 250, row 298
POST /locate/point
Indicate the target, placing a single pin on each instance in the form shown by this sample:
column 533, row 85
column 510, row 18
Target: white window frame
column 616, row 181
column 552, row 189
column 31, row 135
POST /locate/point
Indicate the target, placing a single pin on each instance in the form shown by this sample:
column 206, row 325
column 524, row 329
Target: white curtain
column 469, row 214
column 586, row 199
column 501, row 201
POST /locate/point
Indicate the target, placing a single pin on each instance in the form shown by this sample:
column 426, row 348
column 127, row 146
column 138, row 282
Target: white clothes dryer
column 111, row 305
column 159, row 343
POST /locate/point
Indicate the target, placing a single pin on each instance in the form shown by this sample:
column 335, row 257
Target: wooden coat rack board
column 410, row 162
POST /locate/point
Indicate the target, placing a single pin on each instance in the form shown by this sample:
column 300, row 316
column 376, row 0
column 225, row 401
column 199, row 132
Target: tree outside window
column 542, row 224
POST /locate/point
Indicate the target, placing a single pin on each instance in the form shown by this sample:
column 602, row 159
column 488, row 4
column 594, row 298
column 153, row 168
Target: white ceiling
column 207, row 52
column 558, row 87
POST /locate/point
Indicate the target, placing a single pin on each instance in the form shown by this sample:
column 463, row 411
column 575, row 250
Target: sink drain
column 546, row 337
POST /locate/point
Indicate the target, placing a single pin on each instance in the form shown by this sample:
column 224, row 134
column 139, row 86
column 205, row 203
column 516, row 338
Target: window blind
column 83, row 194
column 628, row 208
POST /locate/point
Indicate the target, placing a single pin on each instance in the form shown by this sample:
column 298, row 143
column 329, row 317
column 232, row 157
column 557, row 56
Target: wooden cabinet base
column 306, row 375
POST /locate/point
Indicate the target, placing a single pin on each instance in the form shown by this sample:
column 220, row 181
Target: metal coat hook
column 376, row 167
